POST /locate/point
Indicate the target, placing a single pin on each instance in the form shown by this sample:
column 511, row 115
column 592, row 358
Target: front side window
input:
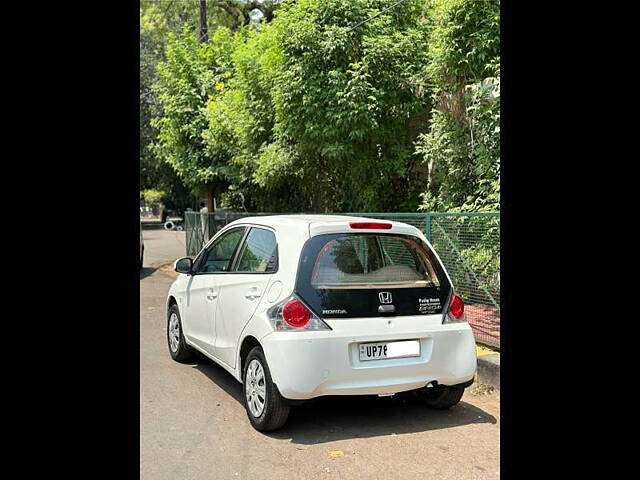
column 259, row 252
column 218, row 256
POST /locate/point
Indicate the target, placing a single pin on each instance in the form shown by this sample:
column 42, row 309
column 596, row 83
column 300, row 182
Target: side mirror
column 183, row 265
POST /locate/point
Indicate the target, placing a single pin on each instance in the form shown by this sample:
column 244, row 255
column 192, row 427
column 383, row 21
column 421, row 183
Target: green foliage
column 316, row 115
column 345, row 99
column 464, row 42
column 152, row 196
column 159, row 18
column 187, row 79
column 462, row 144
column 307, row 113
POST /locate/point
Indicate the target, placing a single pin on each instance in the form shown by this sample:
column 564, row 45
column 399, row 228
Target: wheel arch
column 171, row 300
column 248, row 343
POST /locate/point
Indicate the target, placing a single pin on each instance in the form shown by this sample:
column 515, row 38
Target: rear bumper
column 305, row 365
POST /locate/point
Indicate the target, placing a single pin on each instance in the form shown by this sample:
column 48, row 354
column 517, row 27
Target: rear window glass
column 349, row 275
column 373, row 261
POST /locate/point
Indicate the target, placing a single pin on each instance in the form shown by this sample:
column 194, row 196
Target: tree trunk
column 204, row 36
column 210, row 206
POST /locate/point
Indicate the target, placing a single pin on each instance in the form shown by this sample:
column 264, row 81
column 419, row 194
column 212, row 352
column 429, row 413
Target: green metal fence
column 468, row 244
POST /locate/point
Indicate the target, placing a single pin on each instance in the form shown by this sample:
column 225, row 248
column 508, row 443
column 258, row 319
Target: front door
column 199, row 310
column 202, row 289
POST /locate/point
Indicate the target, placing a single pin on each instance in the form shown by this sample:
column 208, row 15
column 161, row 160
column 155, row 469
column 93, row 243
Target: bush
column 152, row 196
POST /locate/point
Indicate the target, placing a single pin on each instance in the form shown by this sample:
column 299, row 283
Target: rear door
column 242, row 288
column 357, row 275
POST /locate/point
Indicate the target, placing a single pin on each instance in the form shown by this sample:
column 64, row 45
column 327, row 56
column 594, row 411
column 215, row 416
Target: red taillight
column 456, row 308
column 296, row 314
column 371, row 225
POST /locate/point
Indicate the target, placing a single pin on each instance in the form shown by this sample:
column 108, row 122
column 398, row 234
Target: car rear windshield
column 373, row 261
column 348, row 271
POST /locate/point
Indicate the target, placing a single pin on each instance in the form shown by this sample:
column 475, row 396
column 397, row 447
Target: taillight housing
column 293, row 315
column 455, row 312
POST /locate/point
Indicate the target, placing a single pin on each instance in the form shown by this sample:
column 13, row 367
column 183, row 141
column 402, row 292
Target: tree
column 158, row 18
column 186, row 80
column 461, row 144
column 153, row 196
column 320, row 114
column 331, row 105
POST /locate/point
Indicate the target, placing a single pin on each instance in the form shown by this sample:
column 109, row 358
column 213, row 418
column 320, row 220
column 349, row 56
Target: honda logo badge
column 385, row 297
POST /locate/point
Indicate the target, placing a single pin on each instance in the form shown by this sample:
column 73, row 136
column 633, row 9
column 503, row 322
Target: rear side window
column 259, row 252
column 354, row 274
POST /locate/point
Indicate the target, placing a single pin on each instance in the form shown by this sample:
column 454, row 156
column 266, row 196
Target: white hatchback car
column 300, row 306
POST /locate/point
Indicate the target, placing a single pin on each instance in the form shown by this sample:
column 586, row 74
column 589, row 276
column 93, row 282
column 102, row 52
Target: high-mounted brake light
column 370, row 225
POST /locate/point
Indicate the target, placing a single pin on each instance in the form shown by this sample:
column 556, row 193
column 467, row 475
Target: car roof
column 317, row 224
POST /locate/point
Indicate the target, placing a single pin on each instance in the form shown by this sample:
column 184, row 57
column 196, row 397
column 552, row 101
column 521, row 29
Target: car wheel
column 262, row 400
column 178, row 348
column 441, row 396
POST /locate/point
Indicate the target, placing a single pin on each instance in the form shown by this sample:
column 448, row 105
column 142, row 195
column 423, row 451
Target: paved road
column 194, row 426
column 162, row 246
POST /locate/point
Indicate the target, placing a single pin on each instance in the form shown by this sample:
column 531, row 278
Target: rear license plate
column 376, row 351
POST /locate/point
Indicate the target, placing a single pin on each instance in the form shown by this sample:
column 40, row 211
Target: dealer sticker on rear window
column 428, row 305
column 334, row 312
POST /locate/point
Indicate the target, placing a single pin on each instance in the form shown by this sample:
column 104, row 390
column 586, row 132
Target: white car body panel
column 308, row 364
column 234, row 310
column 199, row 306
column 311, row 364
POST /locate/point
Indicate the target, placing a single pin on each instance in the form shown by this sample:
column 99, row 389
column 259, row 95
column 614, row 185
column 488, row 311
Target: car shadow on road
column 327, row 419
column 219, row 376
column 146, row 271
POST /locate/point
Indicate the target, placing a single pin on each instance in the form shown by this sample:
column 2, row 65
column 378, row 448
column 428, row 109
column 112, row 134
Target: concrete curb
column 489, row 370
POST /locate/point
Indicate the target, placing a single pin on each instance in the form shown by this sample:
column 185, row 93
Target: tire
column 141, row 257
column 441, row 397
column 182, row 352
column 274, row 412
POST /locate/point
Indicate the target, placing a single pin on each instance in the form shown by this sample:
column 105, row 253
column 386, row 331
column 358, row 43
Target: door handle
column 212, row 295
column 252, row 294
